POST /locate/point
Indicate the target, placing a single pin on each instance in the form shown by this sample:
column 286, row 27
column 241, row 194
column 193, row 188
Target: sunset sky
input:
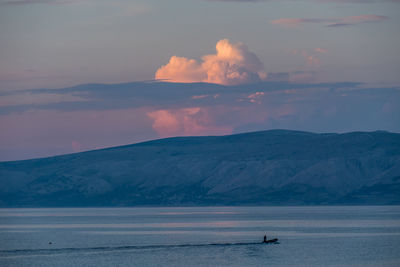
column 315, row 65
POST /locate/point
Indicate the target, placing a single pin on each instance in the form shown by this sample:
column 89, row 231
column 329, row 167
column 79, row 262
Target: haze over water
column 206, row 236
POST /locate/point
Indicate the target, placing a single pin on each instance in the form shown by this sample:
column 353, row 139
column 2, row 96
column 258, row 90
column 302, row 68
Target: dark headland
column 277, row 167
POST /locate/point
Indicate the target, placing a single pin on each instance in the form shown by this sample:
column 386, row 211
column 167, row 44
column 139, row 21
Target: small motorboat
column 270, row 241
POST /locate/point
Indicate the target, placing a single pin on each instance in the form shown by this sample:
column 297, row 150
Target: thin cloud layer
column 232, row 64
column 107, row 115
column 330, row 22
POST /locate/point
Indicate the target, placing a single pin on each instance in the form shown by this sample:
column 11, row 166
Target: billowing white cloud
column 232, row 64
column 181, row 69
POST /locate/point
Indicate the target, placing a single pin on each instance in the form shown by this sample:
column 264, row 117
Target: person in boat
column 265, row 238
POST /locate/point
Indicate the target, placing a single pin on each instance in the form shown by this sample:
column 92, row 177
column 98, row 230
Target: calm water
column 202, row 236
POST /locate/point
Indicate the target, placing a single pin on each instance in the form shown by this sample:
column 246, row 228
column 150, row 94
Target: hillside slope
column 277, row 167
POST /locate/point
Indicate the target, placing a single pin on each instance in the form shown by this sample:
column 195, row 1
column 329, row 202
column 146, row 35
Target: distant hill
column 277, row 167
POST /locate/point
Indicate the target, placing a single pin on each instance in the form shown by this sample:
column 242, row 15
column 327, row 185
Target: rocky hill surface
column 276, row 167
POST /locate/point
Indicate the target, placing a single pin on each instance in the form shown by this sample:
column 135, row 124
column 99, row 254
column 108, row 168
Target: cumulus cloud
column 165, row 122
column 185, row 121
column 181, row 69
column 231, row 64
column 330, row 22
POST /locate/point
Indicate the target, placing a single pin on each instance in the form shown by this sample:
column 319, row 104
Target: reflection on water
column 308, row 236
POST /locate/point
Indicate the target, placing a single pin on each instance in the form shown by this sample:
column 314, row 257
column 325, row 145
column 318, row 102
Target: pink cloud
column 294, row 22
column 330, row 22
column 181, row 69
column 165, row 122
column 232, row 64
column 185, row 121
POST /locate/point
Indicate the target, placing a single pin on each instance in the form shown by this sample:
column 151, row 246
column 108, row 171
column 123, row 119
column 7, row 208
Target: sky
column 192, row 67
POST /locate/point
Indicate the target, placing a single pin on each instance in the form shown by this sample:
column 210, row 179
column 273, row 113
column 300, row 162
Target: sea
column 201, row 236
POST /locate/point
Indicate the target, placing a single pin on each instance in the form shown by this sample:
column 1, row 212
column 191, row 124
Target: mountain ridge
column 275, row 167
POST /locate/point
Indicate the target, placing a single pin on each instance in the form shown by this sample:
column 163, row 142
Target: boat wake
column 20, row 252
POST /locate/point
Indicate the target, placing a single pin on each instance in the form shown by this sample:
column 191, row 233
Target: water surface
column 201, row 236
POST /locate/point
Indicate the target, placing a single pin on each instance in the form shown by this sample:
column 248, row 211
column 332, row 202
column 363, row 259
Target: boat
column 270, row 241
